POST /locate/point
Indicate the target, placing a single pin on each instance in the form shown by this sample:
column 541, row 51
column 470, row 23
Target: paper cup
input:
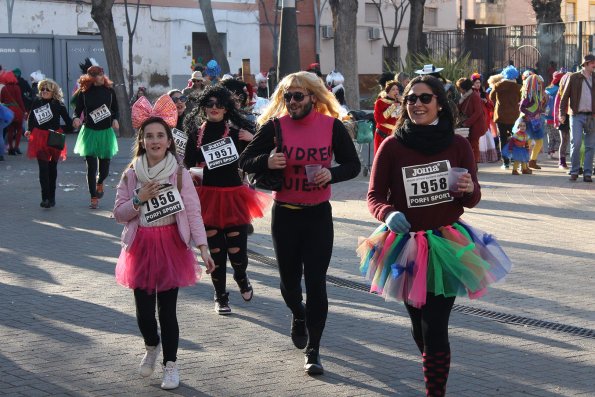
column 311, row 170
column 453, row 177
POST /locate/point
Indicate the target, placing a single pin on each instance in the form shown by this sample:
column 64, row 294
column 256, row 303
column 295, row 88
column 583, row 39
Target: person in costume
column 46, row 111
column 96, row 141
column 553, row 136
column 533, row 103
column 563, row 127
column 180, row 101
column 228, row 205
column 506, row 96
column 471, row 107
column 262, row 85
column 157, row 256
column 423, row 254
column 305, row 114
column 11, row 97
column 386, row 110
column 518, row 148
column 334, row 82
column 6, row 117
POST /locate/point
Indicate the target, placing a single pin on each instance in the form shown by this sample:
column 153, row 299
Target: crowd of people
column 186, row 186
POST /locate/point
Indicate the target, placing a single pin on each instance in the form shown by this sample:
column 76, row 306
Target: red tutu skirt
column 223, row 207
column 158, row 260
column 38, row 147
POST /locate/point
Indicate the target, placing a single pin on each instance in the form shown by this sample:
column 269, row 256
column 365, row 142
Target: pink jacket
column 189, row 221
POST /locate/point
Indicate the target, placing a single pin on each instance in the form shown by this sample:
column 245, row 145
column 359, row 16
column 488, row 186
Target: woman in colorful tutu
column 424, row 254
column 96, row 140
column 228, row 205
column 157, row 257
column 533, row 104
column 45, row 114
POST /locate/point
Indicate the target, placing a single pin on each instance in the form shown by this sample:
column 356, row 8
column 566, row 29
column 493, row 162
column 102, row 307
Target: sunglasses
column 411, row 99
column 180, row 99
column 297, row 96
column 197, row 81
column 212, row 104
column 45, row 90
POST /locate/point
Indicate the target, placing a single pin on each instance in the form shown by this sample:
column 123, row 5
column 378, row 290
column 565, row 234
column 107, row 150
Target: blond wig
column 53, row 87
column 326, row 103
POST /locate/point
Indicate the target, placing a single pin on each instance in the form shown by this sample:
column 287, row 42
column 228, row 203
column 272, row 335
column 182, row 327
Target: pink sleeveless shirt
column 305, row 141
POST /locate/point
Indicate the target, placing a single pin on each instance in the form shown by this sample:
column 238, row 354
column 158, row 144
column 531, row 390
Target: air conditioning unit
column 327, row 32
column 373, row 33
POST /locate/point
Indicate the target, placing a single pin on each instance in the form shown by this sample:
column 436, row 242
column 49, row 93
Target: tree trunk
column 415, row 39
column 216, row 47
column 131, row 31
column 344, row 20
column 9, row 8
column 550, row 38
column 101, row 12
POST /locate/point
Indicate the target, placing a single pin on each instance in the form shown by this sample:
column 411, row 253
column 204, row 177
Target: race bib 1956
column 43, row 114
column 101, row 113
column 180, row 139
column 426, row 184
column 219, row 153
column 167, row 202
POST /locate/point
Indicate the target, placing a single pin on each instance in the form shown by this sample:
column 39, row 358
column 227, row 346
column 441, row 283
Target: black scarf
column 427, row 139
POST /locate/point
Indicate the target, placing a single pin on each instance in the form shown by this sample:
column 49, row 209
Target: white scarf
column 162, row 170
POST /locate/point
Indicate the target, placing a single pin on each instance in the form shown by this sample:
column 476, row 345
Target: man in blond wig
column 302, row 225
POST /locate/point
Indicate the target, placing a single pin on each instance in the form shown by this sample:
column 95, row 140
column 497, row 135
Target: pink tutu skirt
column 158, row 260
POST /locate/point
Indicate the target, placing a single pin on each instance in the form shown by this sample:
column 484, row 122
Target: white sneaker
column 147, row 364
column 171, row 376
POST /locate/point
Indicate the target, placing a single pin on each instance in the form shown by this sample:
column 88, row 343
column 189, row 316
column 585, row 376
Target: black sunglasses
column 45, row 90
column 411, row 99
column 216, row 104
column 182, row 99
column 297, row 96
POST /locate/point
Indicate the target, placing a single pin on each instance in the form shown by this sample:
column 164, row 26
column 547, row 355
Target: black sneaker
column 45, row 204
column 245, row 288
column 52, row 203
column 313, row 365
column 299, row 333
column 222, row 304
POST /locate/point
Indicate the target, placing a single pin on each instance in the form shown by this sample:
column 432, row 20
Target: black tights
column 303, row 241
column 48, row 173
column 92, row 179
column 429, row 324
column 145, row 317
column 232, row 243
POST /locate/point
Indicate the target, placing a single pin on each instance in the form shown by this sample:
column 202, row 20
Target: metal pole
column 289, row 51
column 579, row 47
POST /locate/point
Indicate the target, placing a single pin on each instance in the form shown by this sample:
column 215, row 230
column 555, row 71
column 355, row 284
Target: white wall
column 161, row 36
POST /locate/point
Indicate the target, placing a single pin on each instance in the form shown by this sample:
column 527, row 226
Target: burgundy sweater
column 387, row 189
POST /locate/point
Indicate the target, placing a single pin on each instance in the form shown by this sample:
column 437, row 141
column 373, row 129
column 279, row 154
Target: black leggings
column 92, row 179
column 429, row 324
column 145, row 317
column 48, row 173
column 233, row 238
column 303, row 241
column 504, row 132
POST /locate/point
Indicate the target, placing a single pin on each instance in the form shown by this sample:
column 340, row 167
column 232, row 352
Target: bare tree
column 344, row 20
column 550, row 34
column 415, row 38
column 273, row 27
column 101, row 12
column 216, row 46
column 131, row 31
column 9, row 8
column 400, row 8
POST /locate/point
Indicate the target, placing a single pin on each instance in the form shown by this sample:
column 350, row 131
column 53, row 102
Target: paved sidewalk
column 69, row 330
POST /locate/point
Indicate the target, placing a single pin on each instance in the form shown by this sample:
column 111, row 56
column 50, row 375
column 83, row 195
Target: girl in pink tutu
column 160, row 210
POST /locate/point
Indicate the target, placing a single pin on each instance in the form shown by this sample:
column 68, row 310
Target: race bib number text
column 167, row 202
column 219, row 153
column 43, row 114
column 426, row 184
column 180, row 139
column 101, row 113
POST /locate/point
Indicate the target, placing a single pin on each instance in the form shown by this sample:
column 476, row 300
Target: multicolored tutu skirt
column 518, row 153
column 38, row 147
column 223, row 207
column 97, row 143
column 453, row 260
column 158, row 260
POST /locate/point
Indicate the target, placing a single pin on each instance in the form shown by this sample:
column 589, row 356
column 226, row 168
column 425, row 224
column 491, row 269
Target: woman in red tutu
column 45, row 115
column 228, row 205
column 157, row 203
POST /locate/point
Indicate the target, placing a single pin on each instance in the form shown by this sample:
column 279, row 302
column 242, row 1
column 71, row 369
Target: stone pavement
column 67, row 328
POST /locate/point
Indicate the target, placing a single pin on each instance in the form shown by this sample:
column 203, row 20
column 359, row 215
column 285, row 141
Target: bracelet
column 136, row 201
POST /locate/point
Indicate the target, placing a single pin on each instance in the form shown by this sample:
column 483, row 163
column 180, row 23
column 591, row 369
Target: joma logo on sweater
column 425, row 170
